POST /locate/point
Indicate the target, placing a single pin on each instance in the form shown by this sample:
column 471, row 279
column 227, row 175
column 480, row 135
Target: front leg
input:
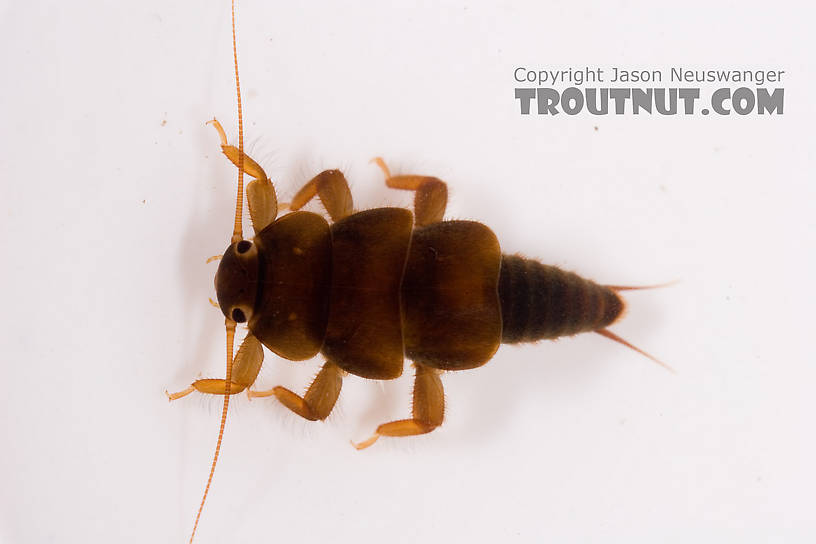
column 261, row 198
column 245, row 368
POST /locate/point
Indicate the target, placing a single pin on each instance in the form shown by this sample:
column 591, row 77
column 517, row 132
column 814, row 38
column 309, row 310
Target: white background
column 113, row 193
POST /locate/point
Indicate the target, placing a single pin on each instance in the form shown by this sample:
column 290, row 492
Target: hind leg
column 428, row 410
column 431, row 196
column 319, row 399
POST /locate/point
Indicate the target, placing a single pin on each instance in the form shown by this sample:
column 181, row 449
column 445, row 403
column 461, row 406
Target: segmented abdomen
column 542, row 302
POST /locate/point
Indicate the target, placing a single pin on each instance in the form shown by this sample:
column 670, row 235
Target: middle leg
column 319, row 399
column 332, row 189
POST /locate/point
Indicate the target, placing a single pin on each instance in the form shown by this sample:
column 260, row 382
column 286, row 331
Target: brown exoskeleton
column 375, row 287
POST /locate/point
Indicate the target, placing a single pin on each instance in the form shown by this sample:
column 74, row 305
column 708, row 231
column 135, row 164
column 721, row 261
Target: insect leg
column 431, row 197
column 332, row 188
column 319, row 399
column 428, row 410
column 261, row 198
column 250, row 166
column 245, row 368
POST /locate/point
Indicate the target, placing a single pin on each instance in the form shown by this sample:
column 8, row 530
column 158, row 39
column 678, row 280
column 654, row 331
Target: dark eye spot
column 243, row 246
column 238, row 316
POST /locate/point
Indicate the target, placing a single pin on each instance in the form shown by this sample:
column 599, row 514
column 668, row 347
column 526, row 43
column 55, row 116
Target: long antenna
column 230, row 326
column 237, row 233
column 237, row 236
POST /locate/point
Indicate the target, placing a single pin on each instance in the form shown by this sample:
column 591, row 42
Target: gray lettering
column 641, row 98
column 592, row 101
column 524, row 96
column 676, row 74
column 572, row 100
column 689, row 96
column 547, row 99
column 660, row 101
column 620, row 96
column 772, row 103
column 717, row 99
column 743, row 94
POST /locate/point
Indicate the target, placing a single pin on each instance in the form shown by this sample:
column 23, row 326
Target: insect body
column 377, row 287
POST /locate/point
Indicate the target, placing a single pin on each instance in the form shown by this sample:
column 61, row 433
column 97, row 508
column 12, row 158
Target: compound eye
column 243, row 246
column 238, row 316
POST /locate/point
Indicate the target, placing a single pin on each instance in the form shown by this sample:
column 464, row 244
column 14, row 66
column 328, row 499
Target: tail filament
column 612, row 336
